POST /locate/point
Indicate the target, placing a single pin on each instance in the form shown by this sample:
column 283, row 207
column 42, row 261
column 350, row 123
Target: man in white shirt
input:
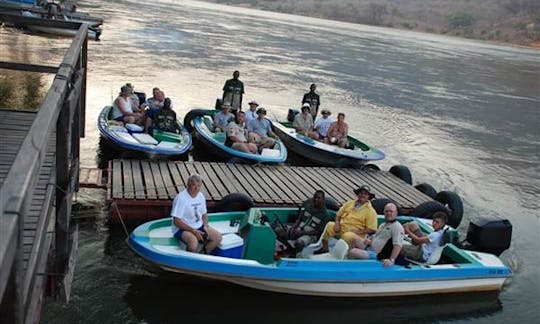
column 320, row 129
column 190, row 219
column 251, row 113
column 423, row 245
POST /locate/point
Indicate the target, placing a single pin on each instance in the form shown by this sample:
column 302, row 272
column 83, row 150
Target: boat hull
column 322, row 154
column 120, row 143
column 222, row 152
column 468, row 271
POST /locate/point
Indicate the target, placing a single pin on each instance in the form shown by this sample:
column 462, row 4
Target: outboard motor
column 292, row 113
column 218, row 104
column 489, row 235
column 141, row 96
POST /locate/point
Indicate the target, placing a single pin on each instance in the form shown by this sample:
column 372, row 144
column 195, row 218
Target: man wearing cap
column 233, row 91
column 387, row 242
column 320, row 129
column 223, row 118
column 356, row 218
column 313, row 100
column 303, row 123
column 124, row 109
column 252, row 112
column 260, row 131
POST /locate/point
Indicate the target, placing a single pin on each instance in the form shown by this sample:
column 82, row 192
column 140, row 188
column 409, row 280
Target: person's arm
column 417, row 240
column 395, row 253
column 122, row 106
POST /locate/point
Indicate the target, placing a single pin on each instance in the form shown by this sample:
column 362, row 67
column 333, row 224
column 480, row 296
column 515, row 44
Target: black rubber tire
column 379, row 203
column 428, row 208
column 234, row 202
column 402, row 172
column 453, row 202
column 426, row 189
column 371, row 166
column 192, row 114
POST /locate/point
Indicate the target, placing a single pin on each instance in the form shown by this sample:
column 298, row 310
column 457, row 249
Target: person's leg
column 190, row 240
column 214, row 238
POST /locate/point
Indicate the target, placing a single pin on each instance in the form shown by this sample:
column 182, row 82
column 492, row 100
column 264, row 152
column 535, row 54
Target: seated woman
column 125, row 110
column 236, row 135
column 165, row 118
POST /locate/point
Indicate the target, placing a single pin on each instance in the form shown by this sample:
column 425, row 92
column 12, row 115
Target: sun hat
column 326, row 111
column 253, row 102
column 306, row 104
column 261, row 110
column 365, row 188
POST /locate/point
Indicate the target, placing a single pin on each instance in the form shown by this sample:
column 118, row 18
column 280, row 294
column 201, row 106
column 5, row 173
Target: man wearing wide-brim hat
column 356, row 218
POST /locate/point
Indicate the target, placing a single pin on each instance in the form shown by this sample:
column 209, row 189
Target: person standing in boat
column 423, row 245
column 233, row 90
column 356, row 218
column 338, row 132
column 190, row 219
column 312, row 218
column 125, row 110
column 387, row 242
column 303, row 122
column 237, row 135
column 313, row 100
column 320, row 129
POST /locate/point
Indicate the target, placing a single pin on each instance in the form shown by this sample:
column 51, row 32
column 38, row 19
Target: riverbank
column 515, row 22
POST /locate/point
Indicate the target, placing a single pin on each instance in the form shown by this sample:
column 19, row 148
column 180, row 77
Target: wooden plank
column 177, row 177
column 287, row 195
column 267, row 185
column 189, row 169
column 117, row 185
column 129, row 188
column 202, row 169
column 149, row 183
column 230, row 178
column 296, row 182
column 160, row 184
column 138, row 180
column 167, row 180
column 246, row 182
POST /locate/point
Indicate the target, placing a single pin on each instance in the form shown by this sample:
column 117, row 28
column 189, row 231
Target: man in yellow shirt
column 356, row 218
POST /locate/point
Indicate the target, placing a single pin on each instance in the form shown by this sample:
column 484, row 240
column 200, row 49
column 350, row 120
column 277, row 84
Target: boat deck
column 142, row 189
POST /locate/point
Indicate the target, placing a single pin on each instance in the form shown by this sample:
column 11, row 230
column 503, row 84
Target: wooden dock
column 39, row 168
column 141, row 189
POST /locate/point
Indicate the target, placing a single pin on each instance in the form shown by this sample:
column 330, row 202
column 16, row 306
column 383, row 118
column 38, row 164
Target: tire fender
column 402, row 172
column 234, row 202
column 379, row 203
column 428, row 208
column 371, row 166
column 453, row 202
column 426, row 189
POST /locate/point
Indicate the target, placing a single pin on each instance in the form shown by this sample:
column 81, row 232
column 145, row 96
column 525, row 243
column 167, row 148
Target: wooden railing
column 60, row 116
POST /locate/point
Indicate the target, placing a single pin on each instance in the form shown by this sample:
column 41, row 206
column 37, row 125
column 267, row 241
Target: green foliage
column 461, row 19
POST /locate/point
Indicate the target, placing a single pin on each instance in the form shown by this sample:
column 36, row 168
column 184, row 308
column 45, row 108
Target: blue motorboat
column 247, row 256
column 131, row 138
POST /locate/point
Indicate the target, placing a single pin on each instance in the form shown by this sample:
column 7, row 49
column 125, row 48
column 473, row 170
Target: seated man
column 355, row 218
column 309, row 225
column 125, row 110
column 423, row 245
column 165, row 118
column 303, row 122
column 320, row 129
column 237, row 135
column 338, row 131
column 260, row 131
column 389, row 234
column 223, row 118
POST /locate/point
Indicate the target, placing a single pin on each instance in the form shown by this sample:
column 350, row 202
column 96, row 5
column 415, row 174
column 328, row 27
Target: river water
column 462, row 115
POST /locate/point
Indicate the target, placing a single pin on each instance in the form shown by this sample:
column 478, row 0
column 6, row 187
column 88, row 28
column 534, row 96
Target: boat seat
column 338, row 252
column 220, row 136
column 433, row 258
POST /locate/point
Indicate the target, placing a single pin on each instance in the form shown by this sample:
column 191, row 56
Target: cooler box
column 230, row 247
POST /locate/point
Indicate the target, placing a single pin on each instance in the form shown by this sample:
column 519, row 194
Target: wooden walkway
column 145, row 189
